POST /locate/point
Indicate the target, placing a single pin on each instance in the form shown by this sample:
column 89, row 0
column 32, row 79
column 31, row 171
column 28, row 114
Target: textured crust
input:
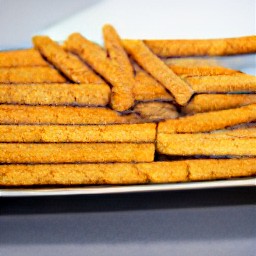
column 30, row 75
column 125, row 173
column 197, row 67
column 223, row 83
column 191, row 62
column 221, row 169
column 121, row 97
column 76, row 152
column 17, row 114
column 89, row 174
column 201, row 71
column 147, row 88
column 212, row 102
column 244, row 131
column 153, row 65
column 196, row 47
column 68, row 64
column 207, row 144
column 113, row 45
column 155, row 111
column 203, row 122
column 55, row 94
column 78, row 133
column 21, row 58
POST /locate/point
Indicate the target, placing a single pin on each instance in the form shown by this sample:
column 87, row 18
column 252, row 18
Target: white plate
column 95, row 190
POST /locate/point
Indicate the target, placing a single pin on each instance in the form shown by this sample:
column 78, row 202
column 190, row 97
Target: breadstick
column 121, row 98
column 76, row 152
column 113, row 45
column 212, row 102
column 18, row 114
column 147, row 88
column 191, row 62
column 78, row 133
column 155, row 111
column 203, row 122
column 197, row 67
column 245, row 131
column 30, row 75
column 153, row 65
column 55, row 94
column 221, row 169
column 223, row 83
column 68, row 64
column 201, row 71
column 21, row 58
column 206, row 144
column 89, row 174
column 125, row 173
column 200, row 47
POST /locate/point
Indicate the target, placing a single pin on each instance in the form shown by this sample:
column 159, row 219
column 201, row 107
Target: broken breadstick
column 78, row 133
column 223, row 83
column 21, row 58
column 16, row 75
column 204, row 122
column 206, row 144
column 68, row 64
column 155, row 111
column 76, row 152
column 200, row 47
column 125, row 173
column 18, row 114
column 55, row 94
column 212, row 102
column 121, row 98
column 161, row 72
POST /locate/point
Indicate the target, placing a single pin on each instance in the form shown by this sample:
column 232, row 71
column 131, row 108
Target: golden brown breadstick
column 197, row 67
column 153, row 65
column 212, row 102
column 223, row 83
column 76, row 152
column 78, row 133
column 30, row 75
column 199, row 47
column 203, row 122
column 202, row 71
column 18, row 114
column 155, row 111
column 221, row 169
column 113, row 45
column 76, row 174
column 21, row 58
column 55, row 94
column 147, row 88
column 191, row 62
column 244, row 131
column 121, row 98
column 76, row 70
column 125, row 173
column 206, row 144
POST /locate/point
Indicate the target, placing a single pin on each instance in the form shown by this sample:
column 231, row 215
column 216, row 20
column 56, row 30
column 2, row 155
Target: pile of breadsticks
column 131, row 112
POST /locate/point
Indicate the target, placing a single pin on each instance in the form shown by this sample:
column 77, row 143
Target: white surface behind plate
column 162, row 19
